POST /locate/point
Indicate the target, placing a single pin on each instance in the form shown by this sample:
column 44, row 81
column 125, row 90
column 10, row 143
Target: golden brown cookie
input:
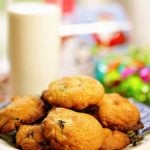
column 31, row 137
column 77, row 92
column 117, row 112
column 114, row 140
column 70, row 130
column 22, row 110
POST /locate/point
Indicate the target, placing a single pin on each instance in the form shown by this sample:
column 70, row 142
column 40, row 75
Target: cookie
column 22, row 110
column 114, row 140
column 31, row 137
column 118, row 113
column 70, row 130
column 76, row 92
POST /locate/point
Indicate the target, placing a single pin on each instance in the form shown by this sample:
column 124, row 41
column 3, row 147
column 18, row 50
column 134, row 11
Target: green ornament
column 135, row 87
column 112, row 77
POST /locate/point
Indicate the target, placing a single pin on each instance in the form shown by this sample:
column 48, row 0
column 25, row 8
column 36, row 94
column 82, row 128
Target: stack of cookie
column 74, row 113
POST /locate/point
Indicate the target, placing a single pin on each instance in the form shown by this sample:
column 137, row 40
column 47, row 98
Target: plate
column 144, row 145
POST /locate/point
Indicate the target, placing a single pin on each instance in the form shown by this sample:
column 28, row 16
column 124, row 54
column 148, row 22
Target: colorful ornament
column 145, row 74
column 100, row 71
column 128, row 75
column 128, row 72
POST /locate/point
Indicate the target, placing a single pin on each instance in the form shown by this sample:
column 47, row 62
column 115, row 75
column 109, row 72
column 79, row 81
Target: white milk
column 33, row 43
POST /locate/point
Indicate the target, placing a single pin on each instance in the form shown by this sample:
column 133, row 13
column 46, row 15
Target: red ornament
column 117, row 39
column 66, row 5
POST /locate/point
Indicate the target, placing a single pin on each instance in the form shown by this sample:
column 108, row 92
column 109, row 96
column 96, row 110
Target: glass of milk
column 33, row 46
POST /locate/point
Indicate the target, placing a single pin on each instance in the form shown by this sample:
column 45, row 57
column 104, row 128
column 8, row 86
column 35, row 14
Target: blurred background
column 118, row 55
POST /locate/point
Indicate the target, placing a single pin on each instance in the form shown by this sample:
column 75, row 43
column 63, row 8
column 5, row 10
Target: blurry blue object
column 91, row 14
column 100, row 71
